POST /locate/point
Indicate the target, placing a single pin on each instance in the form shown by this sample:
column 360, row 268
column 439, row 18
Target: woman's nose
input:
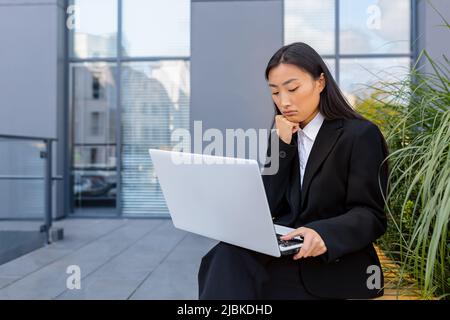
column 285, row 101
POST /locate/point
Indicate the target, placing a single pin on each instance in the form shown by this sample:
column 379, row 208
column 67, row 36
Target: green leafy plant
column 414, row 115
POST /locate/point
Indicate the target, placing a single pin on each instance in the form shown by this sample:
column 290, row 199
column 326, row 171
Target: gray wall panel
column 32, row 62
column 432, row 35
column 29, row 69
column 231, row 43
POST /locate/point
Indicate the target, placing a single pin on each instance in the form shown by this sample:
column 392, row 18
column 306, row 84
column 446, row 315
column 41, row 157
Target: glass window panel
column 331, row 64
column 155, row 101
column 375, row 26
column 156, row 28
column 93, row 26
column 93, row 104
column 21, row 198
column 312, row 22
column 358, row 74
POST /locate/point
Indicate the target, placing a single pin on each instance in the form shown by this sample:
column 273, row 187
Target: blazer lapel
column 325, row 140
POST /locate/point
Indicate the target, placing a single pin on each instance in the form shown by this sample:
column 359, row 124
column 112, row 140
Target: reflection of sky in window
column 357, row 74
column 95, row 29
column 97, row 17
column 150, row 27
column 359, row 33
column 312, row 22
column 156, row 27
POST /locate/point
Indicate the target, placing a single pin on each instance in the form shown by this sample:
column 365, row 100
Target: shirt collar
column 312, row 128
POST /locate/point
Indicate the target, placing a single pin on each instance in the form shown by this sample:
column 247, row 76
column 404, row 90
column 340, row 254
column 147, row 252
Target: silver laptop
column 221, row 198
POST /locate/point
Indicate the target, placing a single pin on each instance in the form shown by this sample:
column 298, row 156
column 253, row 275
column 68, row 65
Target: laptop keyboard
column 288, row 243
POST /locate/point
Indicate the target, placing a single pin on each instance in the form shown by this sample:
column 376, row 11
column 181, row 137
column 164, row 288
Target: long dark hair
column 333, row 104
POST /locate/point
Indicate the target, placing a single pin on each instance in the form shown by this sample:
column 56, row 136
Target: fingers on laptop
column 295, row 233
column 313, row 244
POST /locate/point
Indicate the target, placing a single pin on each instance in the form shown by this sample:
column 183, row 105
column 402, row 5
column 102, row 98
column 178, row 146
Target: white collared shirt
column 306, row 138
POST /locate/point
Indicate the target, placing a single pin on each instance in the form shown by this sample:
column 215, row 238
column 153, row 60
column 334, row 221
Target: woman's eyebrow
column 284, row 83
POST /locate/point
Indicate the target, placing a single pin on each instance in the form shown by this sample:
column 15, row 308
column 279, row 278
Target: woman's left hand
column 313, row 245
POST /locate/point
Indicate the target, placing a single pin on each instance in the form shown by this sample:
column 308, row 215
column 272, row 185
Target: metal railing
column 48, row 178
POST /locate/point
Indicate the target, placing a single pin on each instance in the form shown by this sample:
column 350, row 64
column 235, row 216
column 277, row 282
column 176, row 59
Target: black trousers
column 228, row 272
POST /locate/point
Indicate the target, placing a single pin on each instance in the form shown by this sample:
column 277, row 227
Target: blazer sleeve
column 365, row 219
column 276, row 184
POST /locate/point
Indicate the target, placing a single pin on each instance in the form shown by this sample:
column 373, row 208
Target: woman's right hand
column 285, row 128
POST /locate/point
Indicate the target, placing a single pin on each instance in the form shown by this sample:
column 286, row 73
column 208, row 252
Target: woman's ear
column 322, row 82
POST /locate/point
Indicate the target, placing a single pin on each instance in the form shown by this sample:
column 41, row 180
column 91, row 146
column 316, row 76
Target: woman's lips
column 289, row 113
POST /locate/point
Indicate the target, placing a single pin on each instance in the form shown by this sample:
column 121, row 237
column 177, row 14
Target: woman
column 329, row 187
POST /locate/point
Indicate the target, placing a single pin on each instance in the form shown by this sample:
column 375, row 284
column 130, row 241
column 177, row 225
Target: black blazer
column 340, row 199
